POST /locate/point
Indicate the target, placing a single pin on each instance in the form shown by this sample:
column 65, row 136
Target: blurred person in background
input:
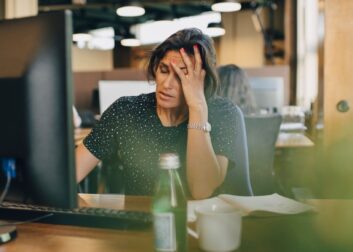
column 234, row 84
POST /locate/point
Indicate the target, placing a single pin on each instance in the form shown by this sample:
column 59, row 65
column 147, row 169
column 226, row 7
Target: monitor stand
column 8, row 232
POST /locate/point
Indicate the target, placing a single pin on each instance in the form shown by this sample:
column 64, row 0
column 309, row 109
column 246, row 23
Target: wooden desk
column 284, row 140
column 293, row 162
column 287, row 233
column 52, row 238
column 293, row 159
column 293, row 140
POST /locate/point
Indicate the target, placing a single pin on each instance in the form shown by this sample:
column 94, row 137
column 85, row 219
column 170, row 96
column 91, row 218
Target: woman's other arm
column 85, row 162
column 205, row 170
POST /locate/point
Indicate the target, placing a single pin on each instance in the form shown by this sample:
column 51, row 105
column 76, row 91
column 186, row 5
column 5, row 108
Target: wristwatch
column 206, row 127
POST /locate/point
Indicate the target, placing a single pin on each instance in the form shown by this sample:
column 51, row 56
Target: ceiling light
column 215, row 30
column 81, row 37
column 130, row 41
column 99, row 39
column 131, row 10
column 105, row 32
column 146, row 32
column 226, row 6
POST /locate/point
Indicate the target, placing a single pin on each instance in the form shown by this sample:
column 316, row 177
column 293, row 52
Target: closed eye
column 163, row 68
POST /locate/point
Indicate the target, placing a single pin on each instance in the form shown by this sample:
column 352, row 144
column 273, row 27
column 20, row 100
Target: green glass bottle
column 169, row 207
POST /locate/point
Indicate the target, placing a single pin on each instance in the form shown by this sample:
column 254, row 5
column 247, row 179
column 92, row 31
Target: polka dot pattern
column 131, row 133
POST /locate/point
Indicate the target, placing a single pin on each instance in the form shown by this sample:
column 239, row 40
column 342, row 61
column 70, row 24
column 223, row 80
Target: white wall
column 91, row 60
column 242, row 44
column 20, row 8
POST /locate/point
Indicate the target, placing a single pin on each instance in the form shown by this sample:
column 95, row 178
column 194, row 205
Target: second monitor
column 109, row 91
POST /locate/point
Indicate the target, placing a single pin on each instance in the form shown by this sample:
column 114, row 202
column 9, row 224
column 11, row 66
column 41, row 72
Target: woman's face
column 169, row 91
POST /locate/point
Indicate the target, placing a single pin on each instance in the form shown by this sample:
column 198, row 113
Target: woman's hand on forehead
column 192, row 79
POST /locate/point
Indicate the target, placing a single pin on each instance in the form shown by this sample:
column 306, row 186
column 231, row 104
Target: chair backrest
column 238, row 178
column 262, row 132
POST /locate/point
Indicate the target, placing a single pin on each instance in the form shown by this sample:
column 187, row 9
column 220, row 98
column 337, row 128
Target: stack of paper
column 267, row 205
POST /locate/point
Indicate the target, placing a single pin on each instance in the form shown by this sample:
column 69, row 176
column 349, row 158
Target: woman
column 176, row 118
column 234, row 84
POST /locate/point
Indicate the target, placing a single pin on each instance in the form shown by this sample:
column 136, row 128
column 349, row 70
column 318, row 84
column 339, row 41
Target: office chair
column 262, row 132
column 237, row 180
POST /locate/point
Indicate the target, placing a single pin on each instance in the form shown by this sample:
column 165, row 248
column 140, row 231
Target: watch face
column 208, row 127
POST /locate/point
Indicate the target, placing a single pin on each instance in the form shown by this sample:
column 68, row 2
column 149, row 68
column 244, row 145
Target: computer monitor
column 36, row 95
column 268, row 92
column 110, row 91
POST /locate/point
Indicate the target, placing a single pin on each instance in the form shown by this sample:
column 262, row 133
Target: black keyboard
column 85, row 216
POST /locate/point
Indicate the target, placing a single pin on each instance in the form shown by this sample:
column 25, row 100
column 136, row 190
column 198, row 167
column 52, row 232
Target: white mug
column 218, row 228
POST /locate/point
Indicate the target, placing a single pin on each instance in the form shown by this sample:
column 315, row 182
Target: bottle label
column 164, row 232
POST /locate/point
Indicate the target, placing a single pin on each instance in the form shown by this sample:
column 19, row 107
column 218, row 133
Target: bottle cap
column 169, row 161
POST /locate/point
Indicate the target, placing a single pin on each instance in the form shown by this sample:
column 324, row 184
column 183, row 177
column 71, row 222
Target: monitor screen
column 36, row 128
column 268, row 92
column 110, row 91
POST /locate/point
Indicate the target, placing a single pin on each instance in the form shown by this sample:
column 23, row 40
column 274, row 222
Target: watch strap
column 206, row 127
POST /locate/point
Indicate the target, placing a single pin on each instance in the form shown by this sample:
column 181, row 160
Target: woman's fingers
column 198, row 60
column 189, row 65
column 193, row 66
column 178, row 71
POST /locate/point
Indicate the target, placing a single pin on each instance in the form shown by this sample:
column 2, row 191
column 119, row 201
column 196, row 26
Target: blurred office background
column 289, row 50
column 297, row 53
